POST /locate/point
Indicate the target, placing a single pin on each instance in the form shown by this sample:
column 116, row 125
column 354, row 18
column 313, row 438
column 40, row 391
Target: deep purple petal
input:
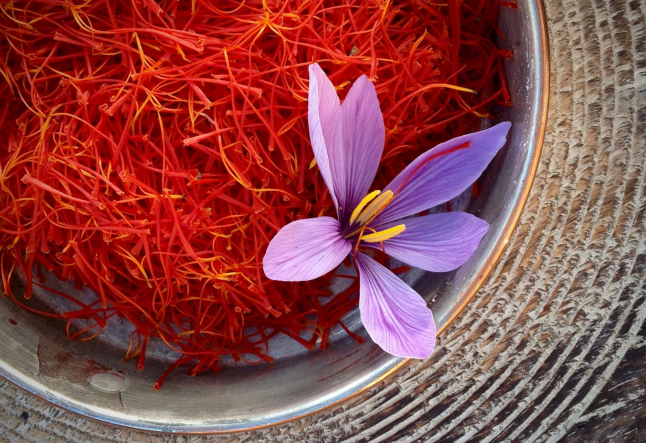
column 434, row 177
column 436, row 242
column 355, row 167
column 395, row 316
column 305, row 249
column 324, row 110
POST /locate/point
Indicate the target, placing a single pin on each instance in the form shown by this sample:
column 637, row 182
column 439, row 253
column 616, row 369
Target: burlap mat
column 551, row 346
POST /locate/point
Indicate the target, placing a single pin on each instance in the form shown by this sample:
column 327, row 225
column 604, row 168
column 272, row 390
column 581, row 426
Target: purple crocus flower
column 348, row 140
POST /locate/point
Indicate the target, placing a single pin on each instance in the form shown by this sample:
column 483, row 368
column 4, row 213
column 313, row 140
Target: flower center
column 376, row 201
column 366, row 211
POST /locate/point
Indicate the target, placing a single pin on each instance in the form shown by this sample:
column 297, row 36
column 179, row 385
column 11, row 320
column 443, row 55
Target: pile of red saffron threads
column 150, row 150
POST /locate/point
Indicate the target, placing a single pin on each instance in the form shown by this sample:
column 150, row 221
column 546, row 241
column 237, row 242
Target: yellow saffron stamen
column 313, row 163
column 375, row 206
column 384, row 235
column 367, row 199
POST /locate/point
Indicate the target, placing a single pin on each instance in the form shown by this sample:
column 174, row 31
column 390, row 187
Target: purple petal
column 355, row 167
column 441, row 174
column 437, row 242
column 305, row 249
column 395, row 316
column 323, row 114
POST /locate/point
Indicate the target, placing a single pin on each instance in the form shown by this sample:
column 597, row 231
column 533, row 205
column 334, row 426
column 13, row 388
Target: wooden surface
column 553, row 346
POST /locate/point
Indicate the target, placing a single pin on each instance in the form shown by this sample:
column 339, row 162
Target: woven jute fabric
column 551, row 346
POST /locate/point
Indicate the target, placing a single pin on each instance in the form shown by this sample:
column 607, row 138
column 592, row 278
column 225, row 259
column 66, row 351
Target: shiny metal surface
column 36, row 355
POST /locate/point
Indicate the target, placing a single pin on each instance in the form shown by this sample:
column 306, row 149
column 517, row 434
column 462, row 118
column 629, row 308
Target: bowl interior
column 90, row 378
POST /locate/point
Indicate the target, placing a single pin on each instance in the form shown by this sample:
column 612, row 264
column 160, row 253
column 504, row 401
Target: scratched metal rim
column 292, row 388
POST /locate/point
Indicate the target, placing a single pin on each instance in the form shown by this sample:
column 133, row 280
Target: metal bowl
column 89, row 377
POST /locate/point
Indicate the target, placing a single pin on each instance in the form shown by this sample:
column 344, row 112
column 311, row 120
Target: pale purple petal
column 324, row 110
column 305, row 249
column 395, row 316
column 438, row 175
column 355, row 167
column 436, row 242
